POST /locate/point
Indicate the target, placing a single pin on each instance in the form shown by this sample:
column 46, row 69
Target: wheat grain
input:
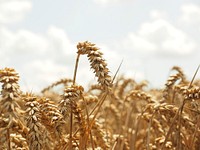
column 97, row 62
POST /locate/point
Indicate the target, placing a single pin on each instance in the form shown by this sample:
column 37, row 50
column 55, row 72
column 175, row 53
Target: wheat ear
column 37, row 135
column 97, row 62
column 9, row 106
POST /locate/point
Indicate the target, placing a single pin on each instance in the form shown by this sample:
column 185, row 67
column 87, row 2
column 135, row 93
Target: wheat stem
column 8, row 137
column 75, row 69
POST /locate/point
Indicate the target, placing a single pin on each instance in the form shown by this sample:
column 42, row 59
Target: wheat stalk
column 97, row 62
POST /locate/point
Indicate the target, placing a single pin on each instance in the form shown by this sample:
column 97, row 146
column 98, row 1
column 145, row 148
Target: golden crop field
column 117, row 113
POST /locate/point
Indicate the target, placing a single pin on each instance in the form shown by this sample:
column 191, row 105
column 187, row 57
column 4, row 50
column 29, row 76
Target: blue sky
column 38, row 38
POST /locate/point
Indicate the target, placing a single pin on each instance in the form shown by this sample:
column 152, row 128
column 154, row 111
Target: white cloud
column 167, row 37
column 58, row 40
column 138, row 43
column 190, row 14
column 3, row 57
column 157, row 14
column 26, row 42
column 22, row 41
column 13, row 10
column 161, row 37
column 42, row 58
column 40, row 73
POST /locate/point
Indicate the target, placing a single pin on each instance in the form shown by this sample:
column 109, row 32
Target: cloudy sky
column 38, row 38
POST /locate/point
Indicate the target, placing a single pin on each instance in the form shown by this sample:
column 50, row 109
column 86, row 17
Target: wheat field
column 117, row 113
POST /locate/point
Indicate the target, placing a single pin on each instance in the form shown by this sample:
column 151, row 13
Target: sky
column 38, row 38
